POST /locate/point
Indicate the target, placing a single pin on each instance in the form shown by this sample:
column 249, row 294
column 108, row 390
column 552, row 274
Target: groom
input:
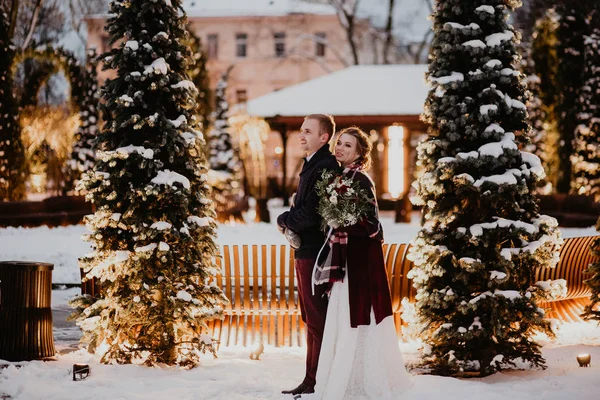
column 315, row 134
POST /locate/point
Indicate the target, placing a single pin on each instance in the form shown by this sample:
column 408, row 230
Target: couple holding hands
column 342, row 283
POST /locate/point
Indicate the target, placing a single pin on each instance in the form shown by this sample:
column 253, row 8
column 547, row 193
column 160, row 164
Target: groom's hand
column 281, row 222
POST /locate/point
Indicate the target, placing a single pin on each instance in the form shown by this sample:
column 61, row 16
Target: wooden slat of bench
column 247, row 305
column 265, row 304
column 274, row 300
column 283, row 308
column 256, row 315
column 291, row 300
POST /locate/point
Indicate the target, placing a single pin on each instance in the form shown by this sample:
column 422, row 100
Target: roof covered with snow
column 357, row 90
column 229, row 8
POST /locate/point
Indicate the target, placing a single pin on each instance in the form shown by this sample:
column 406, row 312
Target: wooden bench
column 260, row 282
column 575, row 256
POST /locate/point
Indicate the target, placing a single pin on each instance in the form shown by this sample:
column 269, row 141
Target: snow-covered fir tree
column 586, row 144
column 545, row 62
column 225, row 164
column 482, row 237
column 153, row 230
column 12, row 153
column 538, row 117
column 569, row 80
column 199, row 75
column 83, row 155
column 586, row 159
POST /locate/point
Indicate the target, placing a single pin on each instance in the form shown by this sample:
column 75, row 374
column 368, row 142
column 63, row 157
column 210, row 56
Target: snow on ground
column 233, row 375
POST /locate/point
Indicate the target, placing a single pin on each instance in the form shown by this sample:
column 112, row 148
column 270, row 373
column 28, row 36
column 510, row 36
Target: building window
column 212, row 46
column 241, row 45
column 241, row 95
column 279, row 38
column 320, row 44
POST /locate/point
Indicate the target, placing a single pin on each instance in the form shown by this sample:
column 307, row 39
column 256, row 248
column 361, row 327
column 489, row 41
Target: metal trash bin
column 25, row 311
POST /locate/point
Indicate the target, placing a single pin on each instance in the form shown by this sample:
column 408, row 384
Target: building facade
column 270, row 46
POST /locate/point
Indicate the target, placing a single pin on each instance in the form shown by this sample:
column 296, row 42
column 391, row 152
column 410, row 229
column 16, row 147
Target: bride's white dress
column 358, row 363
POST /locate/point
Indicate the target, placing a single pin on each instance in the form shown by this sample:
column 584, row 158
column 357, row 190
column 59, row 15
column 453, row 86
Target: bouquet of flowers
column 342, row 202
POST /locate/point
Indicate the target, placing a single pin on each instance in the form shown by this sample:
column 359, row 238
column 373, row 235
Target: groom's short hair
column 326, row 123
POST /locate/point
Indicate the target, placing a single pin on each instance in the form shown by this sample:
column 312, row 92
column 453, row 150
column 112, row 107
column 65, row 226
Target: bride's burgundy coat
column 367, row 279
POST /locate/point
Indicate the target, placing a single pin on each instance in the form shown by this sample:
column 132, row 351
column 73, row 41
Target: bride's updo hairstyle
column 363, row 143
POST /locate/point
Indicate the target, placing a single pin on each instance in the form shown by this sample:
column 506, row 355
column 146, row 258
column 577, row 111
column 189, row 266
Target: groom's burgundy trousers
column 314, row 310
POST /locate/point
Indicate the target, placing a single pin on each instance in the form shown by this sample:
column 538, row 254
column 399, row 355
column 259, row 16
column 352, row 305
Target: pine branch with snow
column 13, row 169
column 586, row 143
column 539, row 118
column 482, row 238
column 199, row 75
column 225, row 164
column 586, row 159
column 569, row 80
column 153, row 232
column 541, row 110
column 83, row 155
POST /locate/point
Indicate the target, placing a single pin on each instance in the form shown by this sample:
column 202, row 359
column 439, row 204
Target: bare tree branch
column 346, row 11
column 422, row 45
column 14, row 10
column 32, row 23
column 318, row 60
column 317, row 39
column 388, row 32
column 430, row 5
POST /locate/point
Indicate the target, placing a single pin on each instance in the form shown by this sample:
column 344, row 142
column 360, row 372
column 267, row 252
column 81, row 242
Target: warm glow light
column 252, row 133
column 38, row 182
column 278, row 150
column 395, row 160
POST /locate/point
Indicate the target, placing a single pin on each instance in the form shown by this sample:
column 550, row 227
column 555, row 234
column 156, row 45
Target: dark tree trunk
column 262, row 211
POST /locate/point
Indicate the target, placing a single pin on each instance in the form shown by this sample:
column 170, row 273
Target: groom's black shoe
column 308, row 390
column 297, row 390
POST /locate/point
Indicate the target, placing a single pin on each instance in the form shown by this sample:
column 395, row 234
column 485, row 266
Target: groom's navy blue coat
column 303, row 217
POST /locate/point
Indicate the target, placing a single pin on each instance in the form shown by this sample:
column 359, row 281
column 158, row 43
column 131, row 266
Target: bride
column 360, row 357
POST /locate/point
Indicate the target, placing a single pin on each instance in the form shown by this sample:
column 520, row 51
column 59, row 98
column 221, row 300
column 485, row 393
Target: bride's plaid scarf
column 331, row 262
